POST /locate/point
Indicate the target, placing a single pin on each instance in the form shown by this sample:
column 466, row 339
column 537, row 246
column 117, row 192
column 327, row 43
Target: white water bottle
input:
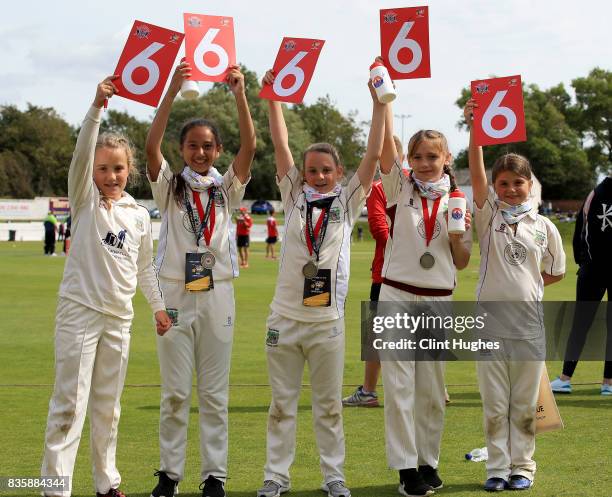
column 477, row 455
column 381, row 81
column 456, row 212
column 190, row 90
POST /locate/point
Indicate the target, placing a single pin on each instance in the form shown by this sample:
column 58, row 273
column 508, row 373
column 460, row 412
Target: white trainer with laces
column 359, row 398
column 272, row 489
column 336, row 489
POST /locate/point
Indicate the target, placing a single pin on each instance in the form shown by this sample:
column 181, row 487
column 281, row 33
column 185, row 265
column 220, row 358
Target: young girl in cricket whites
column 421, row 260
column 306, row 323
column 521, row 252
column 111, row 253
column 196, row 262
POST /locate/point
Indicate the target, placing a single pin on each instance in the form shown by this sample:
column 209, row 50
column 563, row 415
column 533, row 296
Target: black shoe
column 412, row 484
column 495, row 485
column 212, row 487
column 166, row 486
column 430, row 476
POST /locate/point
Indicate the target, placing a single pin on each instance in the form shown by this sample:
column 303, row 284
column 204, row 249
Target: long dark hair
column 178, row 183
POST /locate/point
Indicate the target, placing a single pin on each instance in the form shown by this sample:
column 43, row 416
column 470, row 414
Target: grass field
column 572, row 462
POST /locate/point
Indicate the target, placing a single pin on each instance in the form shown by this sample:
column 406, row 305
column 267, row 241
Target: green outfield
column 572, row 462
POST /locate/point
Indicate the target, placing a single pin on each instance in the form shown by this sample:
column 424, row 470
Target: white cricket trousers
column 91, row 356
column 509, row 392
column 414, row 401
column 322, row 346
column 202, row 340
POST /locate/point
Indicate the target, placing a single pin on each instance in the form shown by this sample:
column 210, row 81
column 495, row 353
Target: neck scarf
column 199, row 182
column 313, row 195
column 513, row 213
column 433, row 189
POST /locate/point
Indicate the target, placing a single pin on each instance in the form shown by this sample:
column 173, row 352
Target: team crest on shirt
column 334, row 215
column 421, row 229
column 219, row 200
column 515, row 253
column 540, row 238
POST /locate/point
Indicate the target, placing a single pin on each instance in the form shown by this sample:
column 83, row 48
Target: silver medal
column 310, row 269
column 208, row 260
column 427, row 261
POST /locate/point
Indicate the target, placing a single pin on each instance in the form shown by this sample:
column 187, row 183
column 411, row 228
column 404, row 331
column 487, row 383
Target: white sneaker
column 272, row 489
column 336, row 489
column 560, row 386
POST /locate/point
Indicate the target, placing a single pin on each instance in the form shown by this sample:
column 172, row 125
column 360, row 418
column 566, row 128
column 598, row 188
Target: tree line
column 569, row 140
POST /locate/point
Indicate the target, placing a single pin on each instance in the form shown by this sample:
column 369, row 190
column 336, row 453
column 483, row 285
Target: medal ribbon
column 429, row 221
column 205, row 227
column 316, row 235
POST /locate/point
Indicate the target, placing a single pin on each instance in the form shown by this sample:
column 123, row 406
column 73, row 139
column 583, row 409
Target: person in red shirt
column 243, row 231
column 365, row 395
column 272, row 235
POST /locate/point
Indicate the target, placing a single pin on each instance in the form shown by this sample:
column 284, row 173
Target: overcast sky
column 54, row 53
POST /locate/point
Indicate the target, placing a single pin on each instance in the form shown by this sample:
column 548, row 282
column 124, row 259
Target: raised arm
column 160, row 121
column 476, row 160
column 244, row 157
column 80, row 182
column 278, row 132
column 389, row 152
column 372, row 156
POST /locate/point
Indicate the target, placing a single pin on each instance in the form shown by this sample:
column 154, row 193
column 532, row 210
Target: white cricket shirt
column 334, row 254
column 176, row 237
column 111, row 250
column 407, row 240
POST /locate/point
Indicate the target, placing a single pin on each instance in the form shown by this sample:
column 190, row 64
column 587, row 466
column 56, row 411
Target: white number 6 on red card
column 404, row 42
column 146, row 62
column 293, row 68
column 499, row 117
column 210, row 46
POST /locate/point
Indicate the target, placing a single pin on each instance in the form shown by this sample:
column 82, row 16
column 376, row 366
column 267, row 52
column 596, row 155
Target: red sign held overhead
column 500, row 116
column 146, row 62
column 210, row 47
column 404, row 42
column 293, row 69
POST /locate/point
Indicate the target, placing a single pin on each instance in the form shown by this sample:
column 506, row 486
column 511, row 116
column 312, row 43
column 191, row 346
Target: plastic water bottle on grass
column 478, row 455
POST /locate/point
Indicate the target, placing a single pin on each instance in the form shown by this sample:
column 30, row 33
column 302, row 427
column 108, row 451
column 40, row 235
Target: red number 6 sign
column 293, row 67
column 500, row 117
column 404, row 42
column 146, row 62
column 209, row 46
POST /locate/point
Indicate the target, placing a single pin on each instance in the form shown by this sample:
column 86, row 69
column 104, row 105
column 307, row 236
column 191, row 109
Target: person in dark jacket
column 592, row 245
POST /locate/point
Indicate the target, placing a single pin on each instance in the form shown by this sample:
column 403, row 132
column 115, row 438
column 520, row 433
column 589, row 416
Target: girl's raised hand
column 105, row 89
column 468, row 111
column 181, row 73
column 268, row 78
column 235, row 80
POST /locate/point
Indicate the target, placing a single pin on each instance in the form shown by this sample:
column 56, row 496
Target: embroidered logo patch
column 173, row 315
column 515, row 253
column 272, row 338
column 334, row 215
column 540, row 238
column 421, row 229
column 219, row 200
